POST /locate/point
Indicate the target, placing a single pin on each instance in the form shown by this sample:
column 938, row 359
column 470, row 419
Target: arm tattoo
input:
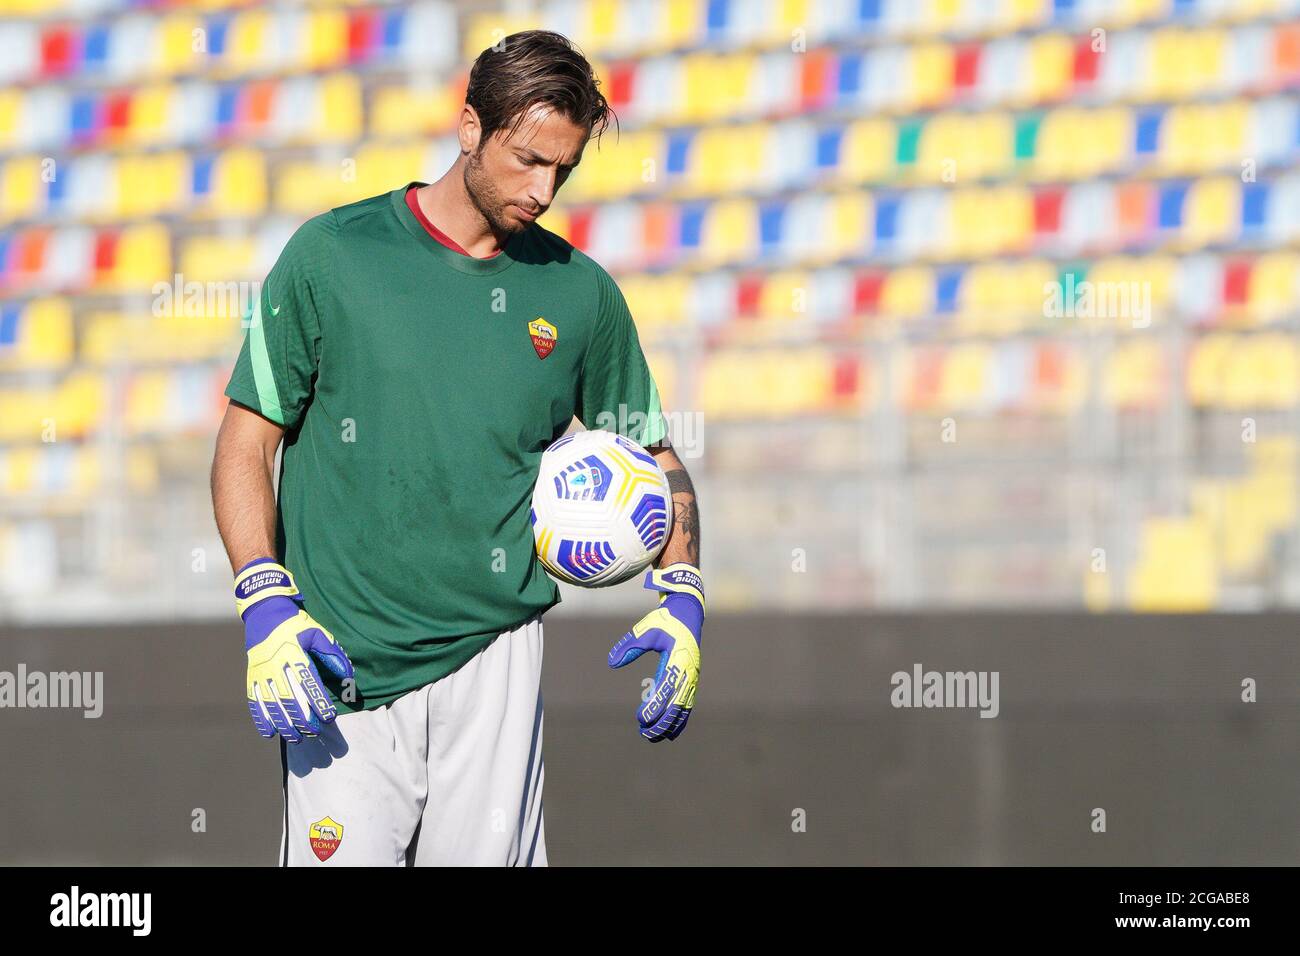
column 686, row 513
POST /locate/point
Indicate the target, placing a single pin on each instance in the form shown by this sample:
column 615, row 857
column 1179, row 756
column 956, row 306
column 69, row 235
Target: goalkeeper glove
column 672, row 629
column 285, row 694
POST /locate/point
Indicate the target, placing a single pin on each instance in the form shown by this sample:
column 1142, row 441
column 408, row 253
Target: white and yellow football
column 601, row 509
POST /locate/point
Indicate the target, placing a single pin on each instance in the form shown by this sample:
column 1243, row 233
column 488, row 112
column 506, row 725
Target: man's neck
column 447, row 205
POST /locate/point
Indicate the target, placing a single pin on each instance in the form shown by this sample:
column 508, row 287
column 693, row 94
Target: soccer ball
column 601, row 509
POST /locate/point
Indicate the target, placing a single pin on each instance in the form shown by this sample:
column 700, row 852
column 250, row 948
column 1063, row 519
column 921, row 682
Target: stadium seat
column 1176, row 568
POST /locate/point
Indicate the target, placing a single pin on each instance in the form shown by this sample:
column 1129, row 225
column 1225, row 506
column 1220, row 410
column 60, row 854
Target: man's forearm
column 683, row 544
column 243, row 500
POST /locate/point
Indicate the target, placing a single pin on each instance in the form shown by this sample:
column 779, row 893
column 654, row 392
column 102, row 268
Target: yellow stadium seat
column 338, row 108
column 965, row 377
column 1277, row 358
column 990, row 221
column 1274, row 493
column 908, row 292
column 1134, row 375
column 1141, row 275
column 1212, row 211
column 142, row 470
column 868, row 150
column 327, row 39
column 22, row 189
column 176, row 53
column 1205, row 370
column 1176, row 568
column 1209, row 50
column 400, row 111
column 1141, row 11
column 45, row 338
column 146, row 402
column 682, row 21
column 999, row 298
column 1051, row 68
column 1272, row 292
column 1013, row 15
column 943, row 16
column 714, row 386
column 143, row 256
column 601, row 26
column 305, row 188
column 483, row 30
column 1082, row 143
column 218, row 258
column 101, row 339
column 22, row 466
column 150, row 119
column 931, row 75
column 246, row 43
column 990, row 147
column 850, row 218
column 782, row 293
column 1245, row 527
column 941, row 149
column 11, row 106
column 1183, row 62
column 87, row 471
column 238, row 184
column 380, row 168
column 657, row 300
column 1240, row 386
column 793, row 384
column 730, row 231
column 80, row 404
column 1250, row 9
column 697, row 73
column 663, row 368
column 151, row 184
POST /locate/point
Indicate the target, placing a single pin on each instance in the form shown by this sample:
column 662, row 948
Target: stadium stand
column 972, row 303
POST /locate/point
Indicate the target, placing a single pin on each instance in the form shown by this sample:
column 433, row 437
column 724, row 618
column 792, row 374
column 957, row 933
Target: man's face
column 513, row 181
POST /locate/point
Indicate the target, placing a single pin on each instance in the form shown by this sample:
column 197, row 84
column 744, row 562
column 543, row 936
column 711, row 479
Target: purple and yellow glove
column 672, row 629
column 285, row 695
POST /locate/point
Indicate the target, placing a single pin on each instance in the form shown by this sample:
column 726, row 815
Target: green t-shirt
column 418, row 388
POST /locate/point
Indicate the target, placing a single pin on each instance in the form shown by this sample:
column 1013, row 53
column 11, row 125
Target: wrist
column 259, row 581
column 678, row 578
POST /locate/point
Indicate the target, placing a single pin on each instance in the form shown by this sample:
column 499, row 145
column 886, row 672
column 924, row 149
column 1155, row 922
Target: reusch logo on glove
column 325, row 834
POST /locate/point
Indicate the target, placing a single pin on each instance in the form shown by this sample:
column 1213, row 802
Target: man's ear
column 470, row 130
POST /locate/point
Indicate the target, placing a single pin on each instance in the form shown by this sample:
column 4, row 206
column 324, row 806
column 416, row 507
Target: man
column 390, row 352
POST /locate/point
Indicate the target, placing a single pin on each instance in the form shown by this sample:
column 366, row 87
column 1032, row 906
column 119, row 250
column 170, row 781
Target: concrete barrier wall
column 1141, row 717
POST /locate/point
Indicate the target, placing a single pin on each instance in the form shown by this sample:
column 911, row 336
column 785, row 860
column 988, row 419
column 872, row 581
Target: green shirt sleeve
column 274, row 372
column 617, row 391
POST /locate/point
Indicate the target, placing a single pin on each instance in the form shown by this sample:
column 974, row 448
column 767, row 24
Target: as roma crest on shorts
column 544, row 336
column 326, row 835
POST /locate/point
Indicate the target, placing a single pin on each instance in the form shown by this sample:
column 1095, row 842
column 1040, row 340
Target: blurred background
column 978, row 320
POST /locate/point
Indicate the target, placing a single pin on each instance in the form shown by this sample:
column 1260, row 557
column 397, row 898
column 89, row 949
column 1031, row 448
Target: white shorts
column 450, row 774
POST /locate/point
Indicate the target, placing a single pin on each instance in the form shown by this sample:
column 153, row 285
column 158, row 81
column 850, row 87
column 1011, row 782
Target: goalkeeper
column 410, row 356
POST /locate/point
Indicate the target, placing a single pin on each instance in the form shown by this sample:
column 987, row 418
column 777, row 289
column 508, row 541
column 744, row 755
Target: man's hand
column 672, row 629
column 285, row 695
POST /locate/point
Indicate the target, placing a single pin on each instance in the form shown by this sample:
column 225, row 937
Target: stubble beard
column 483, row 194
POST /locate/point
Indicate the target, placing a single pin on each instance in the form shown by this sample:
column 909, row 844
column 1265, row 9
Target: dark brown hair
column 531, row 67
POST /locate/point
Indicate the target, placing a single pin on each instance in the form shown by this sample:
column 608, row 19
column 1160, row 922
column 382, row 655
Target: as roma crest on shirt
column 326, row 835
column 544, row 336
